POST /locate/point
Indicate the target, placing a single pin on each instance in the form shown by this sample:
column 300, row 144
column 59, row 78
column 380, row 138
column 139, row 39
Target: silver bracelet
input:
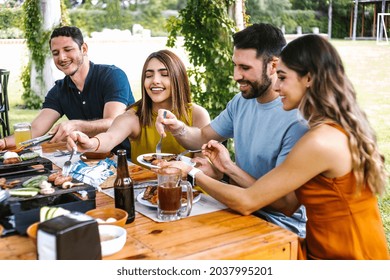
column 181, row 132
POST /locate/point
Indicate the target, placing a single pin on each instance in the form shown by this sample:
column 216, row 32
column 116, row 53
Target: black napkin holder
column 74, row 236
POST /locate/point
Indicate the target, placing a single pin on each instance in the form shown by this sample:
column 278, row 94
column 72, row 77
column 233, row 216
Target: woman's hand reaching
column 169, row 123
column 81, row 141
column 185, row 168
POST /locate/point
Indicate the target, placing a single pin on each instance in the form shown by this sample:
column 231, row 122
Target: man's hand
column 62, row 130
column 218, row 155
column 205, row 165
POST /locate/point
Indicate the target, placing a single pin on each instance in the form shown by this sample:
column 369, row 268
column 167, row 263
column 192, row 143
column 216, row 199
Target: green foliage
column 279, row 13
column 150, row 17
column 96, row 20
column 306, row 19
column 304, row 13
column 341, row 18
column 88, row 20
column 36, row 40
column 65, row 19
column 31, row 100
column 34, row 33
column 304, row 4
column 175, row 4
column 91, row 18
column 11, row 33
column 341, row 14
column 11, row 18
column 11, row 23
column 113, row 10
column 207, row 31
column 270, row 11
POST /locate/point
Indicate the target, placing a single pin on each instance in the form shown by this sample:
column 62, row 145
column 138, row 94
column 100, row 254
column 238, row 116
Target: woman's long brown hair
column 332, row 97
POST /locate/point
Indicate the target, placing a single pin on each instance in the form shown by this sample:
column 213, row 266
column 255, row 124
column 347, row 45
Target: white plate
column 149, row 204
column 141, row 160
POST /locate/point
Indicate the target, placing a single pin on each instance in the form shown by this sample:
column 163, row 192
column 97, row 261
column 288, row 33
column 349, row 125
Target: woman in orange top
column 335, row 169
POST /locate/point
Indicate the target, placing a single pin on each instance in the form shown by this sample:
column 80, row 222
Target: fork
column 59, row 153
column 186, row 152
column 158, row 146
column 68, row 163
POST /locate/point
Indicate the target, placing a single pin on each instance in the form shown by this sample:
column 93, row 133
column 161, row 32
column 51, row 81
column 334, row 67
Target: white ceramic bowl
column 112, row 239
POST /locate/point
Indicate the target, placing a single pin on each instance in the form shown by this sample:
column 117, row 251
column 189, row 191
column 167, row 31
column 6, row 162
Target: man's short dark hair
column 266, row 39
column 68, row 31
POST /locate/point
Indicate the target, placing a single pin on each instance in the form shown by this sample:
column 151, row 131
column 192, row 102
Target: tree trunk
column 51, row 15
column 330, row 12
column 355, row 14
column 383, row 10
column 239, row 8
column 236, row 12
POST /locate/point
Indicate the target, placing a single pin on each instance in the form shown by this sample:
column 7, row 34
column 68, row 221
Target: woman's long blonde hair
column 332, row 98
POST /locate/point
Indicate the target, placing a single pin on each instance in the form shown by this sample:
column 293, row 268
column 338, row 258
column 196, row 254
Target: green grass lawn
column 367, row 65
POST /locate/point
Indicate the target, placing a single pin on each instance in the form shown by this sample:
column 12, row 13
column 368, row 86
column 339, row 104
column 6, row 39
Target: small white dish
column 149, row 204
column 141, row 160
column 112, row 239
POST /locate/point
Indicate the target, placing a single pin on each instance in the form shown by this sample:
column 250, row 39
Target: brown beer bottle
column 124, row 188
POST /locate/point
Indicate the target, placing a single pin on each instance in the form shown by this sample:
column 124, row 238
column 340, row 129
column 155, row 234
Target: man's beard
column 79, row 63
column 258, row 89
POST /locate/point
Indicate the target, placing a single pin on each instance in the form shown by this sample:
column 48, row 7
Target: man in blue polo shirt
column 90, row 95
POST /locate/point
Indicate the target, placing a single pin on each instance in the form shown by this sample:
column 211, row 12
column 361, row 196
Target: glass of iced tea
column 22, row 132
column 170, row 205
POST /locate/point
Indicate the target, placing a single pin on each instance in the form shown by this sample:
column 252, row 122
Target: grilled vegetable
column 47, row 212
column 28, row 156
column 34, row 181
column 25, row 192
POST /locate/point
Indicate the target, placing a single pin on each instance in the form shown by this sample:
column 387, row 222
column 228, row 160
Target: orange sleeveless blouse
column 342, row 224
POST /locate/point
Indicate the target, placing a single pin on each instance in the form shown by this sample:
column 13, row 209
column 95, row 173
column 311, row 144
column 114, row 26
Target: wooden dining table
column 219, row 235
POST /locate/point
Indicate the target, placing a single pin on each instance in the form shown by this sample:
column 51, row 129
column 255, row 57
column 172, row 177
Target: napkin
column 93, row 175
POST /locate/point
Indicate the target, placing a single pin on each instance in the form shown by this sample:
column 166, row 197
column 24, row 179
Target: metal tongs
column 36, row 141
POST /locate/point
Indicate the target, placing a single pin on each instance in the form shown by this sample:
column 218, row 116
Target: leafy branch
column 207, row 30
